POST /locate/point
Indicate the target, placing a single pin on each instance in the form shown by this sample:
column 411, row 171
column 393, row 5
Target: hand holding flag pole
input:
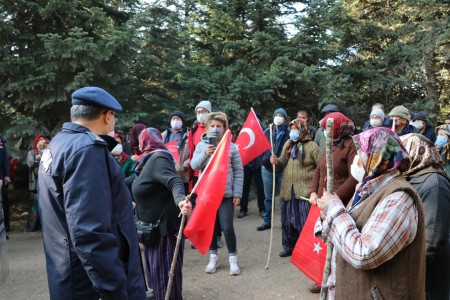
column 273, row 198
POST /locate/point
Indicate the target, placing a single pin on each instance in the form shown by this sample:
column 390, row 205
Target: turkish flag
column 173, row 148
column 251, row 141
column 310, row 252
column 209, row 189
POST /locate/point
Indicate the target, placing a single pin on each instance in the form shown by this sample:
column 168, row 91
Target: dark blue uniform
column 88, row 227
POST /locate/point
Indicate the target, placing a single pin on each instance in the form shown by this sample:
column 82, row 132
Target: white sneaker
column 234, row 266
column 213, row 264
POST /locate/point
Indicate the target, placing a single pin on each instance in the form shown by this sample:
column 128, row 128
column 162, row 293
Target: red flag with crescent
column 310, row 252
column 251, row 141
column 209, row 189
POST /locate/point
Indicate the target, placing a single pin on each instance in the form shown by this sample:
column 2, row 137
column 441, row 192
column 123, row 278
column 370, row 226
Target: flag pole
column 175, row 255
column 330, row 185
column 273, row 199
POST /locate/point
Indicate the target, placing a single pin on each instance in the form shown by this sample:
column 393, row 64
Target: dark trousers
column 224, row 222
column 250, row 174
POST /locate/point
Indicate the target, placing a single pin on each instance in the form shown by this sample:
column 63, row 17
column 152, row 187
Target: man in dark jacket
column 280, row 134
column 88, row 228
column 423, row 127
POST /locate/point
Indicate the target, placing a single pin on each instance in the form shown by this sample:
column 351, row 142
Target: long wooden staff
column 330, row 184
column 174, row 259
column 273, row 199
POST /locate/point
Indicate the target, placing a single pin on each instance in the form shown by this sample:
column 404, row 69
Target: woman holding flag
column 217, row 124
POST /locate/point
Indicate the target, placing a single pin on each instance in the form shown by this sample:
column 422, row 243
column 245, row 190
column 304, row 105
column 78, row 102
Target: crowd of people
column 386, row 220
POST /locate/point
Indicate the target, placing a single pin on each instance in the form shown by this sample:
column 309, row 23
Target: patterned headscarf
column 381, row 152
column 150, row 141
column 36, row 141
column 422, row 151
column 304, row 137
column 342, row 127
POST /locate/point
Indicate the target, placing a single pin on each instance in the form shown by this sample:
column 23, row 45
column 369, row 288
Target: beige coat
column 298, row 174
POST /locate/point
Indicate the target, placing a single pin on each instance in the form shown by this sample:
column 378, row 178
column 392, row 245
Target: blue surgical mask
column 215, row 132
column 294, row 135
column 441, row 141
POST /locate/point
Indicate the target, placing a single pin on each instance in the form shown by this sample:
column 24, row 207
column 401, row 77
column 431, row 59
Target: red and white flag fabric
column 209, row 189
column 310, row 252
column 173, row 148
column 251, row 141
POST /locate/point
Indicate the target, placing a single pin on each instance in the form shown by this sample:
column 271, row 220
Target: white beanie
column 204, row 104
column 378, row 112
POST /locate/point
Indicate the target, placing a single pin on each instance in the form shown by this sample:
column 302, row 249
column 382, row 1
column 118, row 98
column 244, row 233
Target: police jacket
column 88, row 228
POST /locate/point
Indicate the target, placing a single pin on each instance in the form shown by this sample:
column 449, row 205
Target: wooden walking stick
column 330, row 184
column 175, row 254
column 273, row 199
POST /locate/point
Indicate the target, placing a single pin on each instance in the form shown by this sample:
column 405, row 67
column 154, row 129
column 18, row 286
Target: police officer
column 89, row 234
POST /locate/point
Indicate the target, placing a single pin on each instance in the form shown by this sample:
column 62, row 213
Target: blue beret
column 92, row 95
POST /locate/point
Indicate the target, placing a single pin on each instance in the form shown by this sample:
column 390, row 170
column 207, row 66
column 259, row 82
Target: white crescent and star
column 251, row 134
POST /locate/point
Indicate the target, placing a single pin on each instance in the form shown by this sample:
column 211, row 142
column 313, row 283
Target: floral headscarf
column 36, row 141
column 422, row 151
column 342, row 127
column 304, row 137
column 380, row 151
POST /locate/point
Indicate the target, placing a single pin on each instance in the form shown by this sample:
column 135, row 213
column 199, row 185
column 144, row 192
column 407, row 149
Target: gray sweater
column 235, row 170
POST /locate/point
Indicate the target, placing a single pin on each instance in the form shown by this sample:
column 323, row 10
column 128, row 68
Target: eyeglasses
column 116, row 119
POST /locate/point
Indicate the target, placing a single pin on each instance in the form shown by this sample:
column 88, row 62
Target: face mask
column 176, row 124
column 418, row 125
column 201, row 118
column 375, row 122
column 357, row 171
column 277, row 120
column 111, row 134
column 215, row 132
column 441, row 141
column 117, row 150
column 294, row 135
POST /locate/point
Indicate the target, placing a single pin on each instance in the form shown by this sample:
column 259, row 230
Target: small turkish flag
column 310, row 252
column 209, row 189
column 251, row 141
column 173, row 148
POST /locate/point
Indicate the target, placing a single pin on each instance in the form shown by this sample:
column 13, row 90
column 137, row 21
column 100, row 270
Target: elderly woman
column 159, row 196
column 378, row 238
column 428, row 177
column 299, row 158
column 216, row 125
column 442, row 144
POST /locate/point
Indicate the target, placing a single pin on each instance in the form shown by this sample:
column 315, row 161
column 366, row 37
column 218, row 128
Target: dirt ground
column 27, row 279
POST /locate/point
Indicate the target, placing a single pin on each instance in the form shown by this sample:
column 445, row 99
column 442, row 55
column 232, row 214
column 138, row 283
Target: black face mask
column 110, row 141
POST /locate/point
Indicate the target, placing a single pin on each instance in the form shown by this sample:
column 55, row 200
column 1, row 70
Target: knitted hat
column 401, row 112
column 378, row 112
column 280, row 111
column 329, row 108
column 420, row 116
column 204, row 104
column 178, row 114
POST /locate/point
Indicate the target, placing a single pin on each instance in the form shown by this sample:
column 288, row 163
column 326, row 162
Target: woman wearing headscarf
column 442, row 144
column 426, row 174
column 159, row 196
column 134, row 140
column 378, row 238
column 343, row 153
column 299, row 158
column 33, row 159
column 125, row 162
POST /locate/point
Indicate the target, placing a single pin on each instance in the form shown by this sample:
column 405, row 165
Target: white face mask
column 176, row 124
column 418, row 125
column 357, row 171
column 294, row 135
column 117, row 150
column 277, row 120
column 375, row 122
column 201, row 118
